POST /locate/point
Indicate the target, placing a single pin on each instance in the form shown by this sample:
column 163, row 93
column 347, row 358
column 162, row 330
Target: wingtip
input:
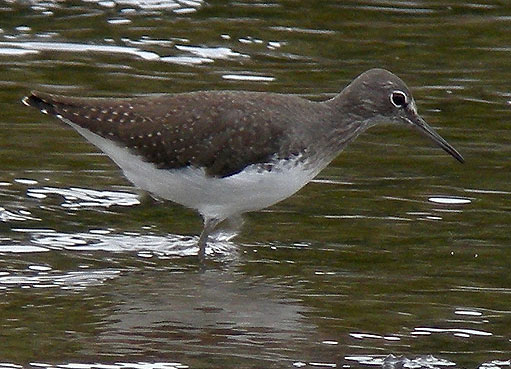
column 35, row 100
column 25, row 100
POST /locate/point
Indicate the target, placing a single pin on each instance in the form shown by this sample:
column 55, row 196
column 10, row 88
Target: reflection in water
column 376, row 257
column 208, row 313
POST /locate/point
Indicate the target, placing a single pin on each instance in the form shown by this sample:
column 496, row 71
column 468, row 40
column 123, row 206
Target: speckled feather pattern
column 222, row 132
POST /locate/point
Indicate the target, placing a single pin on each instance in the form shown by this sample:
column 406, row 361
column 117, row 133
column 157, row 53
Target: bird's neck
column 345, row 124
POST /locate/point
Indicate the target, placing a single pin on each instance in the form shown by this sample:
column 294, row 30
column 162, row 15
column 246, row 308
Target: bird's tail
column 41, row 101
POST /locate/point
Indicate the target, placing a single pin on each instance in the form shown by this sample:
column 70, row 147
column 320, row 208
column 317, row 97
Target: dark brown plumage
column 222, row 132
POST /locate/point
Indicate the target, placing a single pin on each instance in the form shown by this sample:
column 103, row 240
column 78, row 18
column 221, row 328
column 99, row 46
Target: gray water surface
column 396, row 256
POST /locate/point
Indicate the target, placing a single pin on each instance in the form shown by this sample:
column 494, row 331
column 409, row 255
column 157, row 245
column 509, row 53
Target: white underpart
column 213, row 197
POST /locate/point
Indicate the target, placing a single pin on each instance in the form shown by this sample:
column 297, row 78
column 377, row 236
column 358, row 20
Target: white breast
column 213, row 197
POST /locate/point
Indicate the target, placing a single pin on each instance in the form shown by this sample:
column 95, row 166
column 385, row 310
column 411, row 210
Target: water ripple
column 391, row 361
column 48, row 279
column 460, row 332
column 76, row 197
column 449, row 200
column 144, row 245
column 496, row 364
column 176, row 6
column 211, row 52
column 248, row 77
column 198, row 55
column 19, row 215
column 78, row 47
column 116, row 365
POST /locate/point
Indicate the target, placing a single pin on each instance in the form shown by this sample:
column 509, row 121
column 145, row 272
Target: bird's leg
column 209, row 226
column 235, row 222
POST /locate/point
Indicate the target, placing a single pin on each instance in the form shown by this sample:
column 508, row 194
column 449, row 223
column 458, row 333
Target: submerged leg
column 234, row 223
column 209, row 226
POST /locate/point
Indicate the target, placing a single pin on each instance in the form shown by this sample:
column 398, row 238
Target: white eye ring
column 398, row 99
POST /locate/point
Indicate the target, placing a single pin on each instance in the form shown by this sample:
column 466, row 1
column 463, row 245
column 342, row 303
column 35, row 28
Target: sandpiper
column 225, row 153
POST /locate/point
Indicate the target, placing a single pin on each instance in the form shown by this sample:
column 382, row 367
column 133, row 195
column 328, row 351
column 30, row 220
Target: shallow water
column 395, row 256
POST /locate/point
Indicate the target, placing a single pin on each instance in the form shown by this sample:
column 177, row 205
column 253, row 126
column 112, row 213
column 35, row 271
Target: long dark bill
column 423, row 127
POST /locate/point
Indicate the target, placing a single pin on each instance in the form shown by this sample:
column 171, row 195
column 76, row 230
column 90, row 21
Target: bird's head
column 378, row 96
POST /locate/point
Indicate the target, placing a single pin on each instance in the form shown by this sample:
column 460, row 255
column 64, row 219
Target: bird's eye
column 398, row 99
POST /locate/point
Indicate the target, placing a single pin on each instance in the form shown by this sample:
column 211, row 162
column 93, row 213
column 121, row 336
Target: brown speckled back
column 222, row 132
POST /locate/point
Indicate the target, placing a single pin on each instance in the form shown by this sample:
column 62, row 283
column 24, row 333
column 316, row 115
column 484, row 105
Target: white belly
column 213, row 197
